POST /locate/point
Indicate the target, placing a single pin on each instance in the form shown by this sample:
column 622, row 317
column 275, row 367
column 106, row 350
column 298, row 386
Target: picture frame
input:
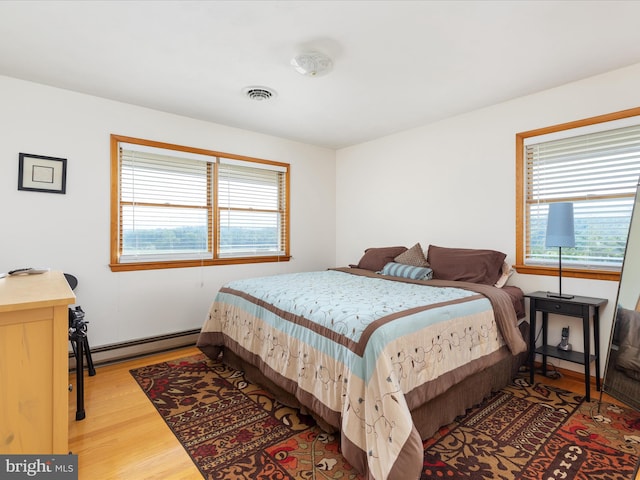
column 39, row 173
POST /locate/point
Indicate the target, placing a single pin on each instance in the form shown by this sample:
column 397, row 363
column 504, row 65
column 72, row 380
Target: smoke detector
column 312, row 64
column 259, row 93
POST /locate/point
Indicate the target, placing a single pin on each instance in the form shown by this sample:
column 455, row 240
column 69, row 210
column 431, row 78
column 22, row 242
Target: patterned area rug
column 232, row 428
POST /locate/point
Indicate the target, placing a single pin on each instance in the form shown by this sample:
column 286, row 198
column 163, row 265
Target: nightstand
column 587, row 308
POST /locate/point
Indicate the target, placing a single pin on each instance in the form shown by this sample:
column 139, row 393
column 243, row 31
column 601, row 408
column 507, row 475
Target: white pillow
column 507, row 271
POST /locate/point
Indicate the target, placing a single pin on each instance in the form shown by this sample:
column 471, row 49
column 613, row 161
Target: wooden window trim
column 520, row 201
column 116, row 214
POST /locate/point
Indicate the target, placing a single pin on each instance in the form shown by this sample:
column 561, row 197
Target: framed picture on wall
column 38, row 173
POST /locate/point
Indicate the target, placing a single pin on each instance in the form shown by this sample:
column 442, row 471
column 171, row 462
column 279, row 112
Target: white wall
column 452, row 183
column 71, row 232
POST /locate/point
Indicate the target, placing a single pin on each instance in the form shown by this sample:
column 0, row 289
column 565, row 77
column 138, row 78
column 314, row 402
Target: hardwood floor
column 124, row 438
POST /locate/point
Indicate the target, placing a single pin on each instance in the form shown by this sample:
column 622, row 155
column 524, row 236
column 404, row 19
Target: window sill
column 608, row 275
column 125, row 267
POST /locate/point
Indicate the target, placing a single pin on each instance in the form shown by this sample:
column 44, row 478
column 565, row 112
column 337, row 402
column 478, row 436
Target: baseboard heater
column 118, row 352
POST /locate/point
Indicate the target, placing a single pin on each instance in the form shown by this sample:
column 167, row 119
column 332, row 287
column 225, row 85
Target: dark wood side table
column 586, row 308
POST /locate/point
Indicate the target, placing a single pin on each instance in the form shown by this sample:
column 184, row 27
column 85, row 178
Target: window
column 593, row 163
column 174, row 206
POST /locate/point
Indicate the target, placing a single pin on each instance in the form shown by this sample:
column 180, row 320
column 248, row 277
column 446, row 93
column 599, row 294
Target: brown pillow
column 376, row 258
column 414, row 257
column 465, row 264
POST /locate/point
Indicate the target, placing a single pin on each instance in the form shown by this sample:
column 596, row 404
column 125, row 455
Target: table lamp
column 560, row 234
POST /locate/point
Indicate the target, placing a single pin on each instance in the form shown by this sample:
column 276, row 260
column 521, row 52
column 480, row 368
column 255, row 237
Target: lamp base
column 559, row 295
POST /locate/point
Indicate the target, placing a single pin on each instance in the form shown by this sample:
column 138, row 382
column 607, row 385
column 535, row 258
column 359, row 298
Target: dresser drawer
column 559, row 307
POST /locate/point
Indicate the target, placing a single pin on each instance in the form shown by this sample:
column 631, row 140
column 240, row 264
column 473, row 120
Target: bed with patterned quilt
column 384, row 352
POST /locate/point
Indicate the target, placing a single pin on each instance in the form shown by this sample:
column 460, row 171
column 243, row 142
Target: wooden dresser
column 34, row 367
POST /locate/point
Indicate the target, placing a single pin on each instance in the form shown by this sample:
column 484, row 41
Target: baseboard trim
column 565, row 372
column 118, row 352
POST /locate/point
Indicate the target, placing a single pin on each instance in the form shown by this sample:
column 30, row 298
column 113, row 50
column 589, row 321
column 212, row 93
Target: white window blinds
column 251, row 208
column 598, row 172
column 181, row 205
column 165, row 204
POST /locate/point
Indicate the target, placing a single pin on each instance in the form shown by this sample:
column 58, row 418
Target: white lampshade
column 560, row 232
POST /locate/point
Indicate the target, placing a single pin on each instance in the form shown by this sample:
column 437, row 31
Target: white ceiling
column 397, row 64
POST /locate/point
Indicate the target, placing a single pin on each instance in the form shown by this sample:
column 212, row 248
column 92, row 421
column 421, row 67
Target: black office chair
column 80, row 345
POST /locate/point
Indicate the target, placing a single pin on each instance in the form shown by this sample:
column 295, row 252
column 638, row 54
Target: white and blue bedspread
column 350, row 344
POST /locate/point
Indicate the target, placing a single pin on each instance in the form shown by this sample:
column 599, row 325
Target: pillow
column 465, row 264
column 376, row 258
column 414, row 256
column 407, row 271
column 629, row 351
column 506, row 272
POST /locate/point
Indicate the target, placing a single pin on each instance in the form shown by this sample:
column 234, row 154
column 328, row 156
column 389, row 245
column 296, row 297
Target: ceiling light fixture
column 259, row 93
column 312, row 64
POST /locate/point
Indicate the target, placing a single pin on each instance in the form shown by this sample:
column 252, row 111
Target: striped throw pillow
column 407, row 271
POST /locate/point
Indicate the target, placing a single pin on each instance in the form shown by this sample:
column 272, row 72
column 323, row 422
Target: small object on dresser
column 27, row 271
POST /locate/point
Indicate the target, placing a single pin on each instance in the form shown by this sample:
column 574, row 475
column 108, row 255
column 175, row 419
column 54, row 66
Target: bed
column 380, row 351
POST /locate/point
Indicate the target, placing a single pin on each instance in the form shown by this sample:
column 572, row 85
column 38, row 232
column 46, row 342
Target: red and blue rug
column 232, row 428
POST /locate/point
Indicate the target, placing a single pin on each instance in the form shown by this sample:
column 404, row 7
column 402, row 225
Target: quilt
column 354, row 347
